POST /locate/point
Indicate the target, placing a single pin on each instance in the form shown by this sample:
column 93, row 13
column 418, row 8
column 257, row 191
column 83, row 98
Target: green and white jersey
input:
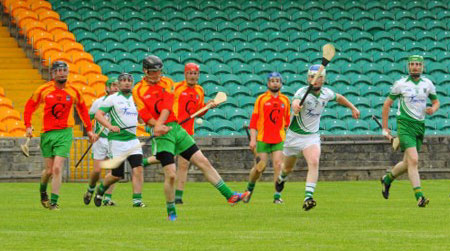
column 94, row 108
column 412, row 97
column 123, row 113
column 308, row 120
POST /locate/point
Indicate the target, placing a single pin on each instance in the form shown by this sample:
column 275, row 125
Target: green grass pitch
column 348, row 216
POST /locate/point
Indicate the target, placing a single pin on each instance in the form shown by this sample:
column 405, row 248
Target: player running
column 100, row 147
column 271, row 114
column 123, row 113
column 58, row 97
column 412, row 92
column 302, row 136
column 189, row 98
column 155, row 106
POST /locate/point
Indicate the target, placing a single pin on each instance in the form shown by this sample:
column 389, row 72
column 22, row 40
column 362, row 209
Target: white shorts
column 118, row 148
column 100, row 149
column 295, row 143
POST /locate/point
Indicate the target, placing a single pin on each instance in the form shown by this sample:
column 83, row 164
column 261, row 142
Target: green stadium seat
column 177, row 47
column 321, row 37
column 204, row 133
column 383, row 16
column 361, row 58
column 295, row 79
column 124, row 57
column 212, row 89
column 363, row 16
column 262, row 69
column 436, row 47
column 85, row 37
column 436, row 26
column 169, row 37
column 339, row 58
column 335, row 125
column 346, row 90
column 329, row 114
column 112, row 16
column 211, row 58
column 209, row 78
column 279, row 16
column 268, row 27
column 322, row 16
column 105, row 5
column 113, row 47
column 298, row 37
column 164, row 26
column 136, row 47
column 372, row 68
column 298, row 57
column 443, row 80
column 351, row 68
column 367, row 113
column 286, row 68
column 71, row 16
column 220, row 69
column 168, row 6
column 266, row 47
column 445, row 102
column 275, row 58
column 394, row 26
column 404, row 16
column 377, row 102
column 215, row 37
column 257, row 16
column 362, row 37
column 157, row 47
column 106, row 37
column 252, row 78
column 289, row 27
column 206, row 125
column 383, row 58
column 309, row 47
column 383, row 37
column 194, row 38
column 91, row 16
column 229, row 79
column 119, row 27
column 248, row 26
column 111, row 69
column 332, row 26
column 414, row 46
column 214, row 114
column 100, row 26
column 62, row 7
column 239, row 69
column 356, row 125
column 131, row 16
column 230, row 6
column 340, row 79
column 313, row 6
column 238, row 17
column 415, row 6
column 244, row 47
column 443, row 125
column 333, row 69
column 246, row 102
column 311, row 26
column 94, row 47
column 351, row 47
column 221, row 47
column 425, row 16
column 393, row 47
column 199, row 47
column 190, row 57
column 185, row 27
column 227, row 27
column 101, row 57
column 77, row 26
column 206, row 27
column 289, row 90
column 239, row 124
column 426, row 37
column 373, row 26
column 414, row 26
column 442, row 15
column 432, row 68
column 352, row 26
column 235, row 113
column 370, row 91
column 251, row 6
column 197, row 16
column 430, row 125
column 218, row 15
column 257, row 37
column 231, row 102
column 360, row 102
column 234, row 37
column 129, row 36
column 132, row 68
column 126, row 7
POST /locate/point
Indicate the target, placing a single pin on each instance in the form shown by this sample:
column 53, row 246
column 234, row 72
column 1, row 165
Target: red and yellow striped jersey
column 151, row 99
column 187, row 101
column 58, row 103
column 271, row 115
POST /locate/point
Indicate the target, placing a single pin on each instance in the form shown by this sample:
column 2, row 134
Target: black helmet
column 152, row 63
column 124, row 76
column 59, row 64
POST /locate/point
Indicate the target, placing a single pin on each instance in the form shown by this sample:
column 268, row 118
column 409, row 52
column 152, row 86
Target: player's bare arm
column 434, row 107
column 344, row 101
column 100, row 117
column 385, row 116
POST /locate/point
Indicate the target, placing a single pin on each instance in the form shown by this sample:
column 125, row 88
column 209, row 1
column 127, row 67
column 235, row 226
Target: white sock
column 309, row 190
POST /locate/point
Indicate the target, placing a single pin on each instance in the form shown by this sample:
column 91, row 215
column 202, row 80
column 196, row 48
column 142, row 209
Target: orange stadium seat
column 49, row 14
column 73, row 68
column 99, row 89
column 16, row 6
column 88, row 91
column 56, row 56
column 81, row 57
column 14, row 125
column 88, row 69
column 3, row 127
column 39, row 36
column 32, row 25
column 23, row 15
column 70, row 46
column 5, row 134
column 63, row 36
column 78, row 79
column 97, row 79
column 2, row 92
column 6, row 103
column 53, row 25
column 8, row 115
column 47, row 48
column 39, row 5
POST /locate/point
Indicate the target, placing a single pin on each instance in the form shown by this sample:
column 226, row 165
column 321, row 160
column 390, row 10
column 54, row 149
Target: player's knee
column 56, row 170
column 170, row 174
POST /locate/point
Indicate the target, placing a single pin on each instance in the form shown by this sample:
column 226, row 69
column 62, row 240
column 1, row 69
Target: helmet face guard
column 415, row 60
column 312, row 71
column 152, row 63
column 59, row 71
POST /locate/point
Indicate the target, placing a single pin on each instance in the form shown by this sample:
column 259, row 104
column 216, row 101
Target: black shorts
column 135, row 160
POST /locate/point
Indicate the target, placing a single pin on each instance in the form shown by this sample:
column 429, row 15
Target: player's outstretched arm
column 385, row 117
column 434, row 107
column 345, row 102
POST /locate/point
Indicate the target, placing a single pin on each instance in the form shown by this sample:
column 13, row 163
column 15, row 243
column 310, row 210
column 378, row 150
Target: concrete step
column 7, row 40
column 9, row 44
column 15, row 66
column 22, row 61
column 14, row 74
column 12, row 53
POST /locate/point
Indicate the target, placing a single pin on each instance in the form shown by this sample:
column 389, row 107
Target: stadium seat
column 334, row 125
column 362, row 37
column 241, row 69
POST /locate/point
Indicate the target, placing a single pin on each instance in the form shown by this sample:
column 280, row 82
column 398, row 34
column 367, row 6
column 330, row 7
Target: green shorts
column 176, row 141
column 262, row 147
column 56, row 143
column 410, row 134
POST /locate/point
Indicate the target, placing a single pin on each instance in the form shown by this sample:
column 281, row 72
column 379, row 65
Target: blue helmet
column 275, row 75
column 314, row 69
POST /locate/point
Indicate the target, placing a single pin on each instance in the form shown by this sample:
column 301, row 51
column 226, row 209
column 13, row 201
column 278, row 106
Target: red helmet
column 191, row 67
